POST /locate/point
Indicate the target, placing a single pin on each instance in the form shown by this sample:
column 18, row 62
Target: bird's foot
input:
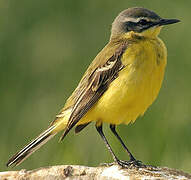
column 132, row 163
column 108, row 164
column 125, row 164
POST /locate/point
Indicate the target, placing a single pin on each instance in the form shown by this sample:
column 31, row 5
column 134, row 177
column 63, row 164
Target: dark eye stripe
column 143, row 22
column 139, row 26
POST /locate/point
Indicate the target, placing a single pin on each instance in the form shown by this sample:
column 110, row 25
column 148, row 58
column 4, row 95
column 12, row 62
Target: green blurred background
column 45, row 47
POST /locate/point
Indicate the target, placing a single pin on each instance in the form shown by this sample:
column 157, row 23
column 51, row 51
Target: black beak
column 167, row 21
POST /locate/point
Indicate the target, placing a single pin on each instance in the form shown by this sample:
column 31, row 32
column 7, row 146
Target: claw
column 108, row 164
column 131, row 163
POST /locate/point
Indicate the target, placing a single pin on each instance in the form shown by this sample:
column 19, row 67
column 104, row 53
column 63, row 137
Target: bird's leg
column 132, row 160
column 100, row 131
column 125, row 164
column 112, row 127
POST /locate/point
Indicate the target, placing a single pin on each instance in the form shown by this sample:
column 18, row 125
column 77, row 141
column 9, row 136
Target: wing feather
column 98, row 83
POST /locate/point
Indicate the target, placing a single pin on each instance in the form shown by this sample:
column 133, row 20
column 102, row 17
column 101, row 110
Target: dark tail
column 35, row 144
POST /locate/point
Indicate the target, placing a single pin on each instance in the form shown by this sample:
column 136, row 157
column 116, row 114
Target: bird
column 120, row 84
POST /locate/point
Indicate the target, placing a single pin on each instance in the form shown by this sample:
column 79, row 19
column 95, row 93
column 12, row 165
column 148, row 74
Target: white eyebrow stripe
column 135, row 19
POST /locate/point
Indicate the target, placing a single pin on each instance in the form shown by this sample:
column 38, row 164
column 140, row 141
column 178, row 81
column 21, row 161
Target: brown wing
column 98, row 83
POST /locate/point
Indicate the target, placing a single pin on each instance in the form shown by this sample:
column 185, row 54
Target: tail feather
column 32, row 146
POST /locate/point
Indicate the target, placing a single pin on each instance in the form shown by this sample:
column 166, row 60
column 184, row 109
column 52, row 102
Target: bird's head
column 138, row 21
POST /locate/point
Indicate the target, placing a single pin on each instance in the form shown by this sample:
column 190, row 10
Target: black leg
column 125, row 164
column 100, row 131
column 132, row 160
column 112, row 127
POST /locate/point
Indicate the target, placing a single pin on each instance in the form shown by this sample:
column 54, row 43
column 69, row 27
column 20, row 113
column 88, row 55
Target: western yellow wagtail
column 120, row 84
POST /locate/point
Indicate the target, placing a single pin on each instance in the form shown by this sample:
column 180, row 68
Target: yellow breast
column 136, row 87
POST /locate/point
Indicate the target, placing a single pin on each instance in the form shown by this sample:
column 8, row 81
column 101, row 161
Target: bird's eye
column 143, row 22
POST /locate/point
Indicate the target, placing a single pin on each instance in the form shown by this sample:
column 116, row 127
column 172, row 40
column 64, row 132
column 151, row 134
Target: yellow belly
column 136, row 87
